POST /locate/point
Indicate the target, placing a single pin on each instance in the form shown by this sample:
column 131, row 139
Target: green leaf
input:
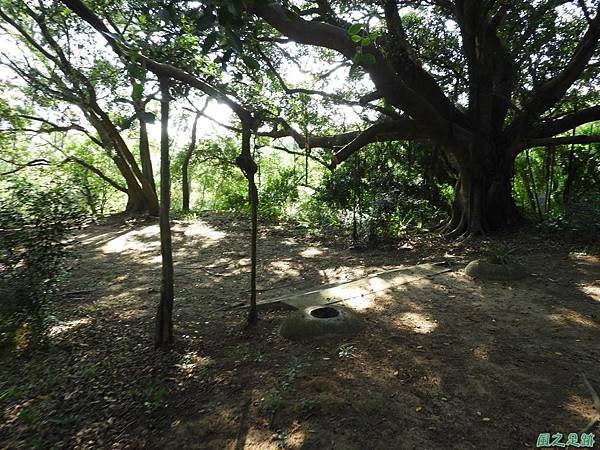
column 368, row 59
column 234, row 40
column 354, row 29
column 226, row 57
column 138, row 90
column 355, row 38
column 354, row 71
column 133, row 55
column 147, row 117
column 125, row 123
column 365, row 41
column 206, row 21
column 136, row 72
column 209, row 42
column 251, row 62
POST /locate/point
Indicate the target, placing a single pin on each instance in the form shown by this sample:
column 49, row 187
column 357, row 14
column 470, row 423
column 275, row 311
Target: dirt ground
column 444, row 363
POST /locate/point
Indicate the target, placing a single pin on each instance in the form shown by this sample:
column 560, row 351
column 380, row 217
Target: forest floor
column 444, row 362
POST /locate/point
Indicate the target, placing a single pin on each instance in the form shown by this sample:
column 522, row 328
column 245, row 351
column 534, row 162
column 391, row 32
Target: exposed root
column 471, row 236
column 457, row 232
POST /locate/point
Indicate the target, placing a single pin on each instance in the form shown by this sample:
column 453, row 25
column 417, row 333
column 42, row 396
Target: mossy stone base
column 317, row 321
column 485, row 270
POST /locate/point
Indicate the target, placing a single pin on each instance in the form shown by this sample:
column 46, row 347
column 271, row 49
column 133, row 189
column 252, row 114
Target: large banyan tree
column 485, row 80
column 482, row 79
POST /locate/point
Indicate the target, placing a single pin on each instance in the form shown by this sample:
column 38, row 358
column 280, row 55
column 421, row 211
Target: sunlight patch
column 311, row 252
column 360, row 302
column 569, row 317
column 354, row 296
column 67, row 326
column 131, row 241
column 481, row 352
column 203, row 230
column 192, row 361
column 284, row 267
column 416, row 322
column 591, row 291
column 580, row 406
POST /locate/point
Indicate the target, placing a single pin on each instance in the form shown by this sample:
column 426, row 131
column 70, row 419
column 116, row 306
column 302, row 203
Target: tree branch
column 303, row 154
column 121, row 48
column 337, row 98
column 96, row 171
column 553, row 90
column 431, row 117
column 379, row 132
column 567, row 122
column 563, row 140
column 33, row 163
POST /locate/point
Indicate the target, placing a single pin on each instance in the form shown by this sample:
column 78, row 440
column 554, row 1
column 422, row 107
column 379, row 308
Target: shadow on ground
column 444, row 362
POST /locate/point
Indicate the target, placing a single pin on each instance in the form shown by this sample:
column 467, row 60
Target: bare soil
column 444, row 362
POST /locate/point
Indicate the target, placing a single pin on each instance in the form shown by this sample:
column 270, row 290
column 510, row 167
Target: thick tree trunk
column 128, row 159
column 142, row 196
column 136, row 200
column 483, row 201
column 164, row 317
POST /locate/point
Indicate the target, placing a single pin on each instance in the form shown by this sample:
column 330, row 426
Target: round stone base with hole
column 484, row 270
column 317, row 321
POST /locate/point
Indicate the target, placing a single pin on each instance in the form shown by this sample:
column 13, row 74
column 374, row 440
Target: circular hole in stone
column 324, row 313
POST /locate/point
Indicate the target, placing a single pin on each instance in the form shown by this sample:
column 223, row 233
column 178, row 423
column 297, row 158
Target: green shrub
column 34, row 222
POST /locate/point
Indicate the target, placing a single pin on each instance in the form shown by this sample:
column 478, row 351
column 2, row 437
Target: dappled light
column 592, row 290
column 311, row 252
column 200, row 230
column 144, row 239
column 481, row 352
column 416, row 322
column 285, row 224
column 581, row 406
column 284, row 268
column 62, row 327
column 433, row 346
column 356, row 300
column 565, row 316
column 192, row 362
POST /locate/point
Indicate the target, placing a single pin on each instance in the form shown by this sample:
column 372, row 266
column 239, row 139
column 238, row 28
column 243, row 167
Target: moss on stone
column 485, row 270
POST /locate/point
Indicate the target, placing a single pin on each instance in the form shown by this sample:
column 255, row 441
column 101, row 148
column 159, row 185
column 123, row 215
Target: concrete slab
column 359, row 293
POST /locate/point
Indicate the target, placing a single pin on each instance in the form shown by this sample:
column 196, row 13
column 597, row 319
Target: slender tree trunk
column 533, row 186
column 567, row 189
column 528, row 190
column 185, row 166
column 164, row 318
column 249, row 168
column 145, row 158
